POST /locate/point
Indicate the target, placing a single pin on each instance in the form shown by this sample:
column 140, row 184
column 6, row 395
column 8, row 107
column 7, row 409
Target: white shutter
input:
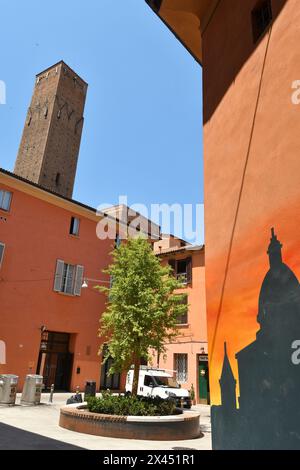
column 58, row 275
column 78, row 280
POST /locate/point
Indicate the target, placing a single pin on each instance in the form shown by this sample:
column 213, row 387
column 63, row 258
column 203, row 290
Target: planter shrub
column 121, row 405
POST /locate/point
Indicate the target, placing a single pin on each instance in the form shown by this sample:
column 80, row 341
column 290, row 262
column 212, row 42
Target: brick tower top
column 50, row 144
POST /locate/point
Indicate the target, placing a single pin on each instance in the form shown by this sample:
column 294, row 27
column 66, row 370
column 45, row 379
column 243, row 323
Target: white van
column 159, row 383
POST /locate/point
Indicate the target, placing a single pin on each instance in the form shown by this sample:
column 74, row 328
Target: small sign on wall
column 203, row 358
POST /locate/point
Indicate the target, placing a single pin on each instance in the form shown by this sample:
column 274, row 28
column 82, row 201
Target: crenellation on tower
column 50, row 143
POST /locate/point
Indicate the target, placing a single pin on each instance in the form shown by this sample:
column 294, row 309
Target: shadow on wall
column 268, row 416
column 235, row 48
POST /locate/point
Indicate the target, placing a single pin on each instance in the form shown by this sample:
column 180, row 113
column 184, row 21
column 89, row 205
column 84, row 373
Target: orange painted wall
column 247, row 193
column 36, row 234
column 193, row 337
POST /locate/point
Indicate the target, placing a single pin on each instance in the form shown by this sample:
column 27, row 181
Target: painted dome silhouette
column 280, row 284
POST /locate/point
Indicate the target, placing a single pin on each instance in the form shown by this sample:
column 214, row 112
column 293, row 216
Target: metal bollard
column 181, row 403
column 51, row 393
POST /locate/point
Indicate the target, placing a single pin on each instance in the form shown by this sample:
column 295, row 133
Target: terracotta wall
column 36, row 234
column 192, row 337
column 252, row 183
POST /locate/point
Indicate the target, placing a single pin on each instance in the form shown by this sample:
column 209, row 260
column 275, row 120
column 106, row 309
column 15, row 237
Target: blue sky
column 143, row 118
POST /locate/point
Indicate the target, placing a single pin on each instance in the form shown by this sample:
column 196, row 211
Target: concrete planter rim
column 138, row 419
column 184, row 426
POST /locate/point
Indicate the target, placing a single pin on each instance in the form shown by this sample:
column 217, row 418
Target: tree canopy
column 142, row 310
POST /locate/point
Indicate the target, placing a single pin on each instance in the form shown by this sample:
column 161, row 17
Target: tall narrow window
column 57, row 179
column 183, row 318
column 68, row 279
column 181, row 367
column 5, row 200
column 2, row 247
column 117, row 241
column 74, row 227
column 261, row 18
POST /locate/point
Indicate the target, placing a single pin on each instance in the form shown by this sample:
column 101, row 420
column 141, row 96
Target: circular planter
column 154, row 428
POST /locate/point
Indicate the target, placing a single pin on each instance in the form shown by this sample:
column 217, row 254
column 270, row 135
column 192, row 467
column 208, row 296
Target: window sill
column 3, row 211
column 185, row 283
column 65, row 294
column 74, row 237
column 182, row 325
column 184, row 287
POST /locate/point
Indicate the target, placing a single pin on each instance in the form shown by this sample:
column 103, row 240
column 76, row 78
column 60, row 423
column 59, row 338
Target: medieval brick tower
column 51, row 138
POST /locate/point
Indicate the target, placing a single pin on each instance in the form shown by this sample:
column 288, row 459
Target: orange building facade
column 50, row 249
column 53, row 250
column 187, row 356
column 48, row 322
column 251, row 62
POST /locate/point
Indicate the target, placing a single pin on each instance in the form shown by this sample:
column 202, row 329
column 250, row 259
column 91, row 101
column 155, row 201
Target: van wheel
column 127, row 394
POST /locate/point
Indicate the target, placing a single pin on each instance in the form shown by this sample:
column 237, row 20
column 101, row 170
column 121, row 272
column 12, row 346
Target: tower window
column 74, row 227
column 57, row 179
column 261, row 18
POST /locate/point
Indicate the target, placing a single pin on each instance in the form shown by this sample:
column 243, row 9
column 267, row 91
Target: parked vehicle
column 159, row 383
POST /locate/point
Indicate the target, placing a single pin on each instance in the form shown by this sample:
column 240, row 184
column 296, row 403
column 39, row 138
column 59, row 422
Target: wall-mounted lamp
column 85, row 284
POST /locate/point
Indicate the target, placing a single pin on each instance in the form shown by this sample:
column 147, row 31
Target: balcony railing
column 182, row 277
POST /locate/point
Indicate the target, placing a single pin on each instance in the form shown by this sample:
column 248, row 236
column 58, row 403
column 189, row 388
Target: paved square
column 37, row 428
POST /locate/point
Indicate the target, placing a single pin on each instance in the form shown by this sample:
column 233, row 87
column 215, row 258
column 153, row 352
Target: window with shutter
column 2, row 247
column 5, row 200
column 58, row 280
column 68, row 278
column 74, row 227
column 78, row 280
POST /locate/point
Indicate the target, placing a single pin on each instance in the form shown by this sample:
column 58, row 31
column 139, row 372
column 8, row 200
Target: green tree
column 142, row 310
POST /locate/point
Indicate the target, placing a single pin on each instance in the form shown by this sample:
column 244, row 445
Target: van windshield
column 166, row 382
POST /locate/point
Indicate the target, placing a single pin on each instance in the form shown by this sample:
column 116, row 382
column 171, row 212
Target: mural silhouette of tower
column 51, row 137
column 267, row 374
column 228, row 384
column 274, row 251
column 279, row 286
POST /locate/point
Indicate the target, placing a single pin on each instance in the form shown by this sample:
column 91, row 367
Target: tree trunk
column 135, row 384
